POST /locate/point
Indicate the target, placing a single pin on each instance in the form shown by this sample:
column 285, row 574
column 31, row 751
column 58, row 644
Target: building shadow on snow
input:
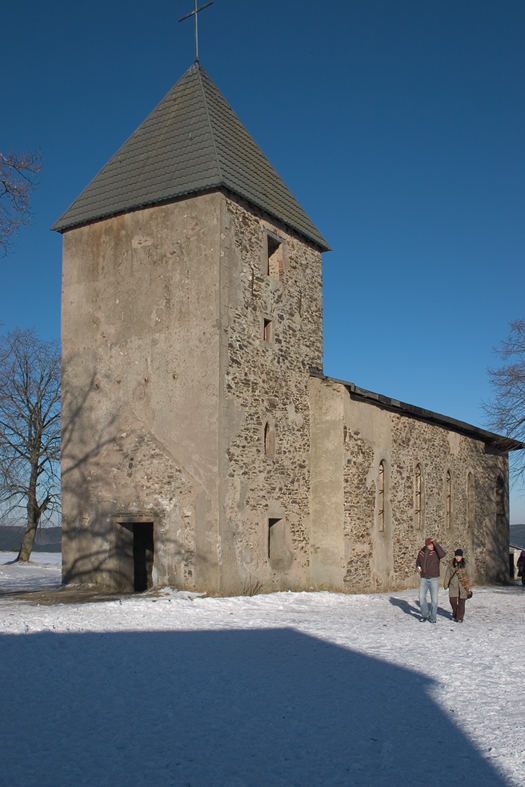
column 246, row 707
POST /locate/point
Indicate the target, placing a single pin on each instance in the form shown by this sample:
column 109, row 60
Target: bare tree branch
column 29, row 428
column 17, row 180
column 507, row 411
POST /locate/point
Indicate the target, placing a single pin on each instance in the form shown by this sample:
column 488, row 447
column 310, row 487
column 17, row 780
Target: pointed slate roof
column 191, row 142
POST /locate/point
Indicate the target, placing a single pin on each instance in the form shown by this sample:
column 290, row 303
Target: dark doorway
column 135, row 547
column 142, row 556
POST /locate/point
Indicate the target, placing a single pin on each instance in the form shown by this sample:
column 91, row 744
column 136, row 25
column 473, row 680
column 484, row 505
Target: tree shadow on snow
column 247, row 707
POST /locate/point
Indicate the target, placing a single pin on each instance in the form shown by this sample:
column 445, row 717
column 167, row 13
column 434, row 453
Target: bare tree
column 29, row 429
column 17, row 181
column 507, row 411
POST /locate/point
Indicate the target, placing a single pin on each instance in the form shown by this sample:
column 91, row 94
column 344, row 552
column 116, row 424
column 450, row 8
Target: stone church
column 203, row 447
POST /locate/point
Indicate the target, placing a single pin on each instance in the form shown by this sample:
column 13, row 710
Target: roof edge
column 496, row 441
column 62, row 227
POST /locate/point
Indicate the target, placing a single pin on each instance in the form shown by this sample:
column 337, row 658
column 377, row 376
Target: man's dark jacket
column 429, row 559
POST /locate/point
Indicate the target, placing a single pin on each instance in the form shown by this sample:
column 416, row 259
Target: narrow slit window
column 275, row 257
column 470, row 499
column 381, row 497
column 501, row 507
column 269, row 439
column 275, row 539
column 418, row 503
column 449, row 500
column 267, row 330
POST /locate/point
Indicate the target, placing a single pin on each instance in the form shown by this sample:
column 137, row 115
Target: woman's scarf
column 462, row 576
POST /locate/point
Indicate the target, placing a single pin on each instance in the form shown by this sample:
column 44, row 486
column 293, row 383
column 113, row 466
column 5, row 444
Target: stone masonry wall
column 266, row 383
column 457, row 475
column 445, row 459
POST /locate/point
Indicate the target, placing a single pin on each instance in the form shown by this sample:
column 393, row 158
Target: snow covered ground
column 281, row 689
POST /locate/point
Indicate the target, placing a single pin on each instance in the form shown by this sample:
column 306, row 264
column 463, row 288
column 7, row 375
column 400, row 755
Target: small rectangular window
column 267, row 330
column 280, row 555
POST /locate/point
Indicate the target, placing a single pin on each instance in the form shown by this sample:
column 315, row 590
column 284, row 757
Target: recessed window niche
column 267, row 330
column 269, row 439
column 274, row 257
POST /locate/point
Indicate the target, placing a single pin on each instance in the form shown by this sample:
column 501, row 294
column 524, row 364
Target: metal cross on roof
column 194, row 15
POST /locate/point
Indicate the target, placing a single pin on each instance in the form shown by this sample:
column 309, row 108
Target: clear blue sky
column 399, row 126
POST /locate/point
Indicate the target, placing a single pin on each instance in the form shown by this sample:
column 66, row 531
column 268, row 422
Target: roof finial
column 194, row 15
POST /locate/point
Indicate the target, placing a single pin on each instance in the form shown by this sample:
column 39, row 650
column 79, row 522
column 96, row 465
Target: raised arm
column 439, row 550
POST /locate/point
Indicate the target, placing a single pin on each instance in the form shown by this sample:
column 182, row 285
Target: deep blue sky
column 399, row 126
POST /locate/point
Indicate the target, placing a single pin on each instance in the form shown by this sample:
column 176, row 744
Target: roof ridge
column 200, row 72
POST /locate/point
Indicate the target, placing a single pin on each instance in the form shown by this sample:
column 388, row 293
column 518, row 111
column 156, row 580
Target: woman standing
column 456, row 581
column 521, row 566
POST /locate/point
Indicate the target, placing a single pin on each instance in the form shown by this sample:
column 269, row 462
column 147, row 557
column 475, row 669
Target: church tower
column 203, row 448
column 191, row 320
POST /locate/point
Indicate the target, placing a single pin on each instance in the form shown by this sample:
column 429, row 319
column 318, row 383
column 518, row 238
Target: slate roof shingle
column 191, row 142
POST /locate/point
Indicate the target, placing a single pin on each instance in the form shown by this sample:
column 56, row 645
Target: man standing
column 427, row 565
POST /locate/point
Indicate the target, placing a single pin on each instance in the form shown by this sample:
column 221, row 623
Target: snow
column 279, row 689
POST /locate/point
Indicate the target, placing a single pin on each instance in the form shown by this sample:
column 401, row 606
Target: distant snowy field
column 281, row 689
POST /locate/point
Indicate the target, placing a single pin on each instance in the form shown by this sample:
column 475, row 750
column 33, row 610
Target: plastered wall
column 140, row 312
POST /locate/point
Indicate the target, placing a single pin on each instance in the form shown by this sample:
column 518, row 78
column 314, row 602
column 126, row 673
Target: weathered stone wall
column 380, row 551
column 266, row 383
column 141, row 393
column 188, row 404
